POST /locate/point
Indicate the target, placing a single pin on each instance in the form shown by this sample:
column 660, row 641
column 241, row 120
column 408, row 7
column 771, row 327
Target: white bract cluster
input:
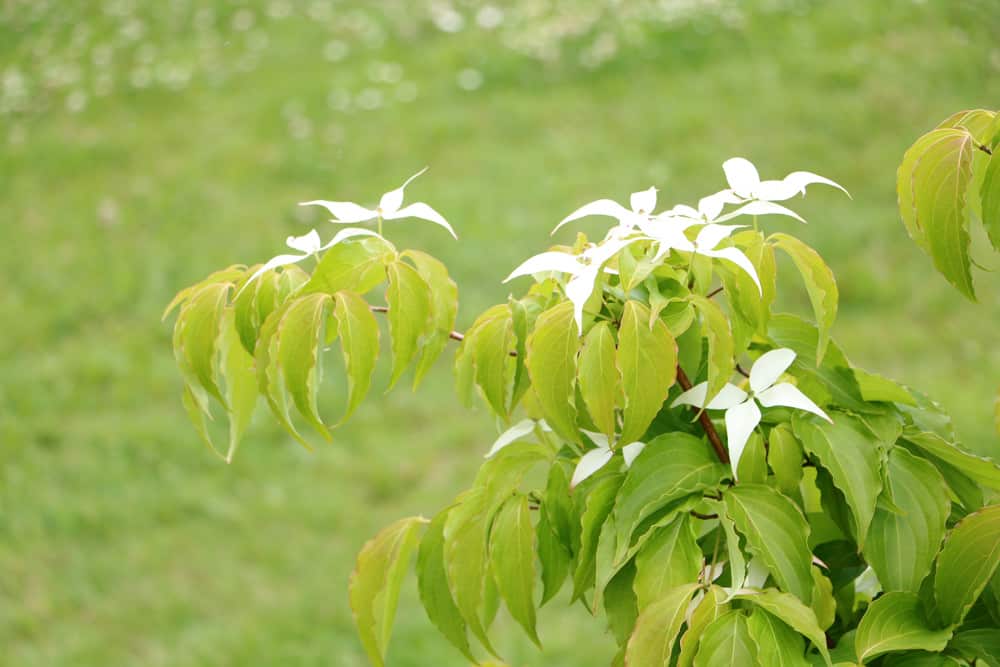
column 390, row 207
column 668, row 230
column 742, row 413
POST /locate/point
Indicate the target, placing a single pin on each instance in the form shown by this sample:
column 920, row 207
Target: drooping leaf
column 752, row 467
column 197, row 335
column 409, row 300
column 850, row 454
column 359, row 342
column 298, row 354
column 989, row 192
column 902, row 543
column 375, row 584
column 552, row 359
column 432, row 583
column 444, row 307
column 240, row 380
column 984, row 471
column 492, row 343
column 668, row 559
column 599, row 378
column 791, row 611
column 820, row 284
column 896, row 622
column 721, row 351
column 620, row 604
column 647, row 359
column 599, row 501
column 775, row 531
column 671, row 467
column 777, row 644
column 512, row 556
column 968, row 559
column 554, row 557
column 656, row 629
column 982, row 644
column 932, row 183
column 711, row 607
column 466, row 560
column 726, row 642
column 269, row 376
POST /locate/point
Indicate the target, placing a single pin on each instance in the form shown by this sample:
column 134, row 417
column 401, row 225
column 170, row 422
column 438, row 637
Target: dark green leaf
column 432, row 582
column 512, row 556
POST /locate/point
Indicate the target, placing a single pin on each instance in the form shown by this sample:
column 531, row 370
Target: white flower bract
column 642, row 204
column 390, row 207
column 742, row 413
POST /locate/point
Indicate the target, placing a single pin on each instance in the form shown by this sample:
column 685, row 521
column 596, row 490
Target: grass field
column 144, row 144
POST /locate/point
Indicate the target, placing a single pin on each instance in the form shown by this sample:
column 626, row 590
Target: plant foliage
column 809, row 513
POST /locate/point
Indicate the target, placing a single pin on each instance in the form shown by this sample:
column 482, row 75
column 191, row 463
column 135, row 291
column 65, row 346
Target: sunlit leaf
column 820, row 285
column 652, row 642
column 552, row 364
column 375, row 584
column 721, row 351
column 598, row 377
column 726, row 642
column 359, row 340
column 409, row 299
column 969, row 557
column 647, row 359
column 444, row 307
column 896, row 622
column 512, row 557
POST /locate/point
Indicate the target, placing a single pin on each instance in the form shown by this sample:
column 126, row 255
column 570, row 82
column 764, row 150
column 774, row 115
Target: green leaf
column 670, row 558
column 599, row 501
column 356, row 265
column 647, row 359
column 432, row 583
column 298, row 354
column 790, row 610
column 240, row 378
column 552, row 351
column 849, row 453
column 466, row 559
column 895, row 622
column 444, row 308
column 989, row 193
column 375, row 584
column 197, row 335
column 554, row 557
column 492, row 342
column 269, row 376
column 409, row 299
column 777, row 644
column 721, row 351
column 984, row 471
column 820, row 284
column 785, row 457
column 969, row 557
column 599, row 378
column 359, row 341
column 932, row 183
column 711, row 607
column 512, row 556
column 776, row 531
column 620, row 604
column 983, row 644
column 671, row 467
column 652, row 642
column 752, row 467
column 726, row 642
column 902, row 544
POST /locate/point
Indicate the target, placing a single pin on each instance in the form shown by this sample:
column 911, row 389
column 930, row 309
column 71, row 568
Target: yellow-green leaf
column 721, row 350
column 552, row 363
column 820, row 285
column 375, row 584
column 432, row 582
column 512, row 556
column 896, row 622
column 356, row 265
column 969, row 557
column 409, row 300
column 652, row 641
column 298, row 354
column 444, row 307
column 359, row 336
column 599, row 378
column 647, row 360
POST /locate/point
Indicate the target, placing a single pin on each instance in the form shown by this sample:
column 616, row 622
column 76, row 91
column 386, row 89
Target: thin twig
column 713, row 292
column 984, row 148
column 706, row 423
column 706, row 517
column 739, row 369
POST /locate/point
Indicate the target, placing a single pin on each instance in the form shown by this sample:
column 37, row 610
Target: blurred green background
column 144, row 144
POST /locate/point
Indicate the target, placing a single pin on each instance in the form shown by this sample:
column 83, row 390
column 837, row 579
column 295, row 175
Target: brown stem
column 706, row 423
column 706, row 517
column 713, row 292
column 984, row 148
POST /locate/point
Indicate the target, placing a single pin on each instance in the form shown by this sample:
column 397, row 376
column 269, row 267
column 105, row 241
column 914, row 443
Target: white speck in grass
column 320, row 11
column 470, row 79
column 104, row 83
column 141, row 77
column 204, row 19
column 76, row 101
column 370, row 99
column 258, row 41
column 279, row 9
column 335, row 50
column 243, row 20
column 333, row 134
column 101, row 55
column 489, row 17
column 339, row 100
column 300, row 128
column 447, row 19
column 107, row 212
column 407, row 91
column 133, row 30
